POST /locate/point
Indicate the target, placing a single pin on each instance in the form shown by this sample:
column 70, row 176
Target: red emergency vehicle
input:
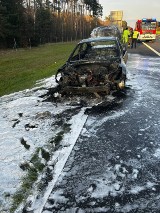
column 147, row 29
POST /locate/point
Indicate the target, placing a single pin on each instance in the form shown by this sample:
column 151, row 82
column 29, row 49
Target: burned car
column 104, row 31
column 96, row 65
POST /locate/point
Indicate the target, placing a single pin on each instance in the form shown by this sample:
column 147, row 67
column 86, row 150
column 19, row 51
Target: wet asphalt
column 143, row 50
column 115, row 164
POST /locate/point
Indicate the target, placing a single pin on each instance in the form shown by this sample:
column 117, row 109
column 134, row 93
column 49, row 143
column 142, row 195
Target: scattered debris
column 43, row 115
column 17, row 122
column 30, row 126
column 24, row 143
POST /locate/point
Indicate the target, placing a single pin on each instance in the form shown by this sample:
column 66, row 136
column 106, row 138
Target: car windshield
column 99, row 50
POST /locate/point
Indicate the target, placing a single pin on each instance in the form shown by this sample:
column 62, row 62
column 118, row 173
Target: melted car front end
column 95, row 66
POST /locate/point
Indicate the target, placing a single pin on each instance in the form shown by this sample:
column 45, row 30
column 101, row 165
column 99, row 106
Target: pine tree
column 15, row 16
column 3, row 25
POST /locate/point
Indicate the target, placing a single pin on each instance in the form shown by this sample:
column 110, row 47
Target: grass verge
column 21, row 69
column 34, row 168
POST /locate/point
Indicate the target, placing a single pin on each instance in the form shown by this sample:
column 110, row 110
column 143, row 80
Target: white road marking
column 151, row 48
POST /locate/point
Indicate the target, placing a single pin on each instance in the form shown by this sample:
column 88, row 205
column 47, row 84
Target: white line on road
column 70, row 140
column 151, row 48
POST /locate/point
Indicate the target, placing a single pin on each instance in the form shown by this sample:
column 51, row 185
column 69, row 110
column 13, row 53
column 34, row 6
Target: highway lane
column 156, row 44
column 142, row 49
column 115, row 164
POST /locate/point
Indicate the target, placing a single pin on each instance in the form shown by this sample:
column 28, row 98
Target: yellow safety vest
column 126, row 33
column 135, row 34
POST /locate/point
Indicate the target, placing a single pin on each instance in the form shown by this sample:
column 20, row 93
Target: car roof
column 96, row 39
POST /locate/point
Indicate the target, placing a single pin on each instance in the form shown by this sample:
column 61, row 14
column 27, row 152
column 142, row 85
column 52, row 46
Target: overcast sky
column 132, row 10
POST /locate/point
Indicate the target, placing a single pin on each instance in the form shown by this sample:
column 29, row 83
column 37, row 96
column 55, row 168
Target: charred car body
column 96, row 65
column 104, row 31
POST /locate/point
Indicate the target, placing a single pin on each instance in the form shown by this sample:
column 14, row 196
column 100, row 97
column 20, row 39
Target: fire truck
column 147, row 29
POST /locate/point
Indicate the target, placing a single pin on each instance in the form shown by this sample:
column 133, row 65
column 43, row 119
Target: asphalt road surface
column 115, row 164
column 143, row 49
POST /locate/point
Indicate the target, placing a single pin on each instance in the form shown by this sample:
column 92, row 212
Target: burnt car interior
column 95, row 51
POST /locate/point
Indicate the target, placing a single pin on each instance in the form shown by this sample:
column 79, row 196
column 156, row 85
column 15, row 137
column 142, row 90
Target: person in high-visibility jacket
column 130, row 37
column 125, row 36
column 135, row 38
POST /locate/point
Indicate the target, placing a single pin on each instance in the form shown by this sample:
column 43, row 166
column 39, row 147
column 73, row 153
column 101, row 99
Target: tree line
column 27, row 23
